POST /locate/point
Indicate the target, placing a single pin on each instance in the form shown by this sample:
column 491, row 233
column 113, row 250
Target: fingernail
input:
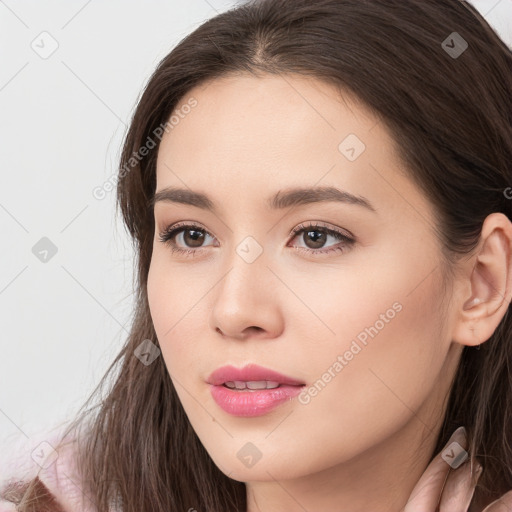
column 459, row 434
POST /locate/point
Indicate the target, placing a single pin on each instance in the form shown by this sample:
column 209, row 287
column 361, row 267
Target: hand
column 435, row 492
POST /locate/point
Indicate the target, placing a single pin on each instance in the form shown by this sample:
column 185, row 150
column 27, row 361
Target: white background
column 61, row 126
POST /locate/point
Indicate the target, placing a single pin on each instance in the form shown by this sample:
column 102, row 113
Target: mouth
column 252, row 390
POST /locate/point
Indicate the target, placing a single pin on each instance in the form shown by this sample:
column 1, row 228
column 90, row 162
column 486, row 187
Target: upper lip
column 251, row 372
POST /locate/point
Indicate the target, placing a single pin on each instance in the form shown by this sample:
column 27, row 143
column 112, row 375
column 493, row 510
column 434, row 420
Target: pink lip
column 250, row 403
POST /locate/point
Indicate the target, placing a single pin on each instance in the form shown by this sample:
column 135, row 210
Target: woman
column 319, row 196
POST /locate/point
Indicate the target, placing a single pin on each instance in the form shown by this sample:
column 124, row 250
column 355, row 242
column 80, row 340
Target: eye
column 193, row 236
column 189, row 233
column 316, row 235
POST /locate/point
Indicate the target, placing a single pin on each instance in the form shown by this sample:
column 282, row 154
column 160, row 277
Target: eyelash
column 170, row 232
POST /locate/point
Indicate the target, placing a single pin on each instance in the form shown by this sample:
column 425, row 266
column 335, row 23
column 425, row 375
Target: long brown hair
column 450, row 115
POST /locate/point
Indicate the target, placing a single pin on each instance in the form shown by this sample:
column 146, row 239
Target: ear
column 487, row 283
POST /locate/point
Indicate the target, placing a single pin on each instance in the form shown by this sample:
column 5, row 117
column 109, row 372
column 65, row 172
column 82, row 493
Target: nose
column 245, row 300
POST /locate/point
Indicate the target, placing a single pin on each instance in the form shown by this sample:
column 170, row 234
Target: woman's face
column 358, row 322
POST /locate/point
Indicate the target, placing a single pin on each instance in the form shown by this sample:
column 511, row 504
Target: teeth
column 255, row 384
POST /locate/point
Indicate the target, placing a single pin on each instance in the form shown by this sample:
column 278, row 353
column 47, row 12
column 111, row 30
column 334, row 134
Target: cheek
column 174, row 298
column 381, row 305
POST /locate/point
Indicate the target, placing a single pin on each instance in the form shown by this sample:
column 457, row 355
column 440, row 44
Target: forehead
column 242, row 111
column 257, row 135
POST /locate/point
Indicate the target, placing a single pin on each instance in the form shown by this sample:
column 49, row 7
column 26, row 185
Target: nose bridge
column 245, row 297
column 247, row 265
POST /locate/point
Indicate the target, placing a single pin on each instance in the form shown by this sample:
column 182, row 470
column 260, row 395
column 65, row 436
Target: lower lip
column 252, row 403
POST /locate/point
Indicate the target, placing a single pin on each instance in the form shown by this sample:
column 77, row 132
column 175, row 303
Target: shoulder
column 51, row 466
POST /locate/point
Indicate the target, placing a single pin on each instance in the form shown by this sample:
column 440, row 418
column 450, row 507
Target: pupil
column 316, row 238
column 198, row 236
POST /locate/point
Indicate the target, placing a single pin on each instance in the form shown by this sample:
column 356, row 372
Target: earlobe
column 490, row 280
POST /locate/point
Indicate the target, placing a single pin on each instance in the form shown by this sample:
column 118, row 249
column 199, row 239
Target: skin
column 364, row 441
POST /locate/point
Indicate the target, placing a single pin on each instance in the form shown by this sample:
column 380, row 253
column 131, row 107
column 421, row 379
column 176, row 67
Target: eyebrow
column 282, row 199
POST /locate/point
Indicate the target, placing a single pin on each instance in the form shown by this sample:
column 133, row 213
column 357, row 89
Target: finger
column 458, row 490
column 426, row 494
column 503, row 504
